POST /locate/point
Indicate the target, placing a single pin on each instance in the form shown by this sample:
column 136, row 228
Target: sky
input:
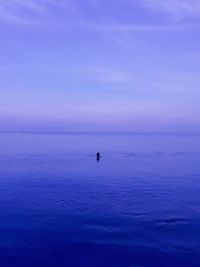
column 100, row 65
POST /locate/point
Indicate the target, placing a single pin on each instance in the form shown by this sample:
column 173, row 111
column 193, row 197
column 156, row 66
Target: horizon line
column 94, row 132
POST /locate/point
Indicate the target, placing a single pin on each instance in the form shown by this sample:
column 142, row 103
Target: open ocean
column 139, row 206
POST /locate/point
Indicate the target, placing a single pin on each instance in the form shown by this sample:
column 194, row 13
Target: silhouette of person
column 98, row 156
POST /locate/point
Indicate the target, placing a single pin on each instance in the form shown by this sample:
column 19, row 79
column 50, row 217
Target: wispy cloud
column 28, row 11
column 12, row 11
column 104, row 74
column 42, row 12
column 177, row 8
column 128, row 28
column 31, row 5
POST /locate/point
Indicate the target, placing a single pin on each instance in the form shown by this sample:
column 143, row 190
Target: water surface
column 139, row 206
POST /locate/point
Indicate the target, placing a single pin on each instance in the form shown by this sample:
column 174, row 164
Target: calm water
column 139, row 206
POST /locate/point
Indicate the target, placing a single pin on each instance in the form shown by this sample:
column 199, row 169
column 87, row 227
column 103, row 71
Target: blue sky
column 100, row 65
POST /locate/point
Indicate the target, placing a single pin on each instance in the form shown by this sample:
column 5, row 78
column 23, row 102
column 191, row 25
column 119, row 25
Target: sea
column 137, row 206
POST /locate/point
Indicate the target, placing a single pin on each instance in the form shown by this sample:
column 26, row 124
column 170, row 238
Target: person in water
column 98, row 156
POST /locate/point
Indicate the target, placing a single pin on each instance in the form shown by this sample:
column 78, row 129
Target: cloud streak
column 11, row 11
column 41, row 12
column 105, row 74
column 179, row 9
column 29, row 12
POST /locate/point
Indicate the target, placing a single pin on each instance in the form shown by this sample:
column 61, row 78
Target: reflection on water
column 137, row 206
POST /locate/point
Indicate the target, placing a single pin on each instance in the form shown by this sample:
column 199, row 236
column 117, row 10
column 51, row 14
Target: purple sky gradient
column 100, row 65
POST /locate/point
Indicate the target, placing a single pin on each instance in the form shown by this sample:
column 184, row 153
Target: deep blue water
column 139, row 206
